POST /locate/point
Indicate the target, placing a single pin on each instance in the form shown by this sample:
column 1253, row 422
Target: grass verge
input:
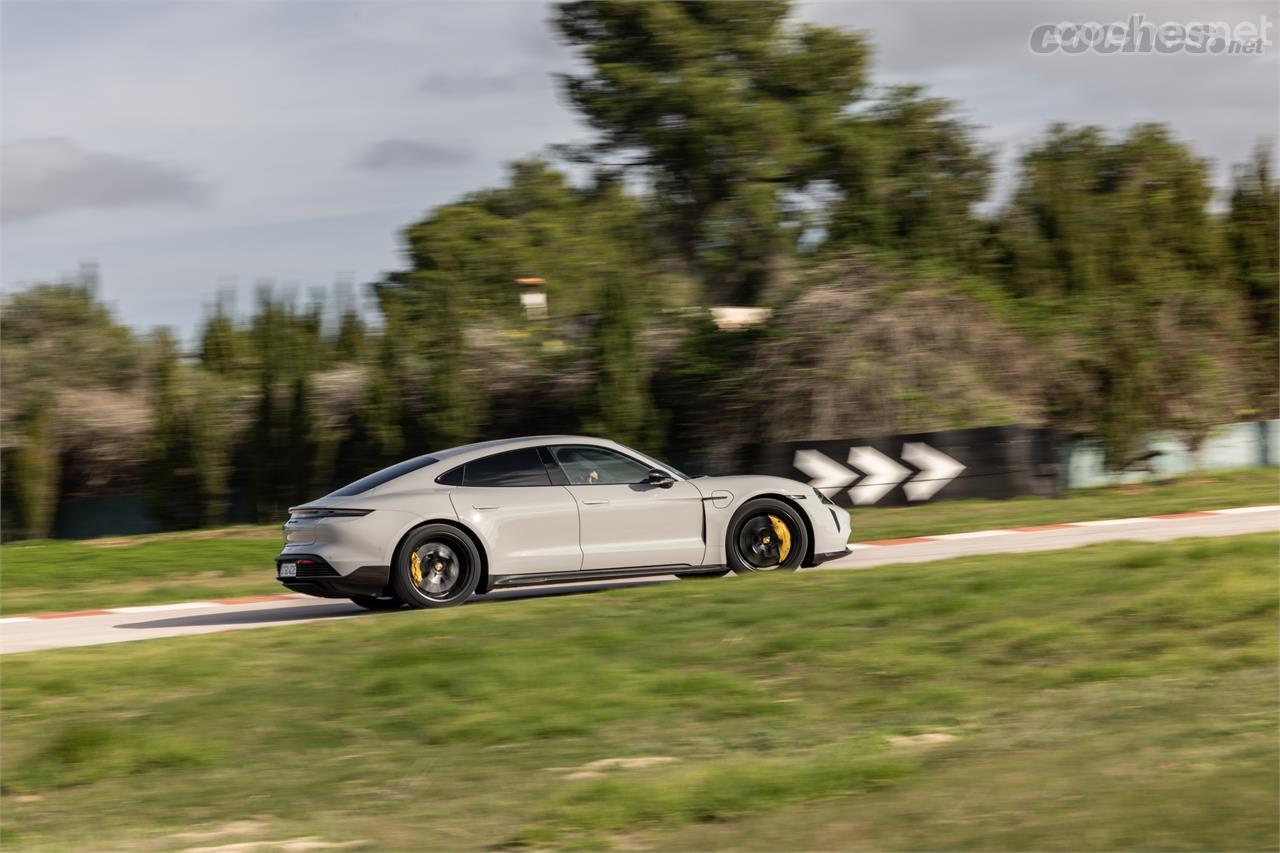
column 1116, row 696
column 1211, row 490
column 65, row 575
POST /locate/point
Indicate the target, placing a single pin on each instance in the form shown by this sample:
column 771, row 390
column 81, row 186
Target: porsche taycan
column 437, row 529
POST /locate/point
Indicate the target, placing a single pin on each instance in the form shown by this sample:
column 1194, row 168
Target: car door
column 624, row 521
column 528, row 524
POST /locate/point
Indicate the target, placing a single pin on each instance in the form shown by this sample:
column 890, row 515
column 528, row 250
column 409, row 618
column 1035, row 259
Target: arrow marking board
column 825, row 475
column 936, row 469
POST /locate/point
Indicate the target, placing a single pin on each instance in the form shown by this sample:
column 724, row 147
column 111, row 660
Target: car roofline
column 467, row 452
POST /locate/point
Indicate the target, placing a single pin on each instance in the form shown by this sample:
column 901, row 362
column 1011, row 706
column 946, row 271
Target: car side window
column 452, row 478
column 598, row 466
column 514, row 468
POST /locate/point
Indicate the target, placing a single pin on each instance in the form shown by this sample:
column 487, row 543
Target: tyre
column 378, row 602
column 438, row 566
column 765, row 535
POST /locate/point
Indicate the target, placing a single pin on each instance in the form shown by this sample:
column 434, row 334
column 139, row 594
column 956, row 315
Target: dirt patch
column 288, row 845
column 598, row 768
column 926, row 739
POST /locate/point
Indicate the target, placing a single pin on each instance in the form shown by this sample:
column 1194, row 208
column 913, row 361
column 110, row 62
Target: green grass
column 1211, row 490
column 65, row 575
column 186, row 566
column 1121, row 696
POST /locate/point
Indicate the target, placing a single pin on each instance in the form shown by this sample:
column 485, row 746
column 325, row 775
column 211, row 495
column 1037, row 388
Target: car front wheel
column 766, row 535
column 438, row 566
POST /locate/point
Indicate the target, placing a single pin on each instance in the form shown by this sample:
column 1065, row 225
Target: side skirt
column 544, row 578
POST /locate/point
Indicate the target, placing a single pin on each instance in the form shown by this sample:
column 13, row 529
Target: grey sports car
column 435, row 530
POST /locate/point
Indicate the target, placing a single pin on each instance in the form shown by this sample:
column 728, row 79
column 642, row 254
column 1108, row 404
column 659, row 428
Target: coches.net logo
column 1137, row 35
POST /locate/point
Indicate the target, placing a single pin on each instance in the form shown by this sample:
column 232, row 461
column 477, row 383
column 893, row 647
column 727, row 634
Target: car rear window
column 386, row 475
column 514, row 468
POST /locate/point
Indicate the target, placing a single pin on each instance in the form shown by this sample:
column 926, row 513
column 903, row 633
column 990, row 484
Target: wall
column 1241, row 445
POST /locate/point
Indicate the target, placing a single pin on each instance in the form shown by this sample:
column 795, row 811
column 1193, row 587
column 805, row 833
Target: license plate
column 288, row 570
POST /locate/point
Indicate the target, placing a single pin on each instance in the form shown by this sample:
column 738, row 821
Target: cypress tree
column 33, row 471
column 620, row 405
column 300, row 449
column 172, row 491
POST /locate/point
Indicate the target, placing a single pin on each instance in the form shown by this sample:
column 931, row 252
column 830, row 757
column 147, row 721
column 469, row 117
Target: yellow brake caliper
column 415, row 568
column 783, row 533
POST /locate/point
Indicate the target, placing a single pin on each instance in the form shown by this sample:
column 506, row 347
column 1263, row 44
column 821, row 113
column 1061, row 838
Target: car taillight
column 312, row 514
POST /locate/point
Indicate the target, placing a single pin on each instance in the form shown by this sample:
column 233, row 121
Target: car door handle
column 595, row 502
column 475, row 506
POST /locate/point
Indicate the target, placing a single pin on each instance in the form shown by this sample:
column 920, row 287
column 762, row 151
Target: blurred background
column 306, row 241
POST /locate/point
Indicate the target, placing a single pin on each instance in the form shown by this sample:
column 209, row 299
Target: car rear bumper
column 322, row 580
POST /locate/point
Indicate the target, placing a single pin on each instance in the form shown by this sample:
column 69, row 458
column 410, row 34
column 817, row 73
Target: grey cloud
column 399, row 154
column 476, row 84
column 47, row 176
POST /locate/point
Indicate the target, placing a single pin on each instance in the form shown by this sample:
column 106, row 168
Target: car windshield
column 386, row 475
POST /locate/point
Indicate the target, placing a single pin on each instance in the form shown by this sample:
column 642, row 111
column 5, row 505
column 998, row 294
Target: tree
column 724, row 111
column 170, row 466
column 301, row 447
column 1109, row 247
column 220, row 350
column 208, row 400
column 619, row 403
column 537, row 224
column 349, row 343
column 263, row 451
column 32, row 470
column 433, row 324
column 60, row 334
column 379, row 417
column 912, row 185
column 1252, row 223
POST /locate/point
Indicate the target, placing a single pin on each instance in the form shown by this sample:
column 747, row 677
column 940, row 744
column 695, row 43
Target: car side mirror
column 660, row 478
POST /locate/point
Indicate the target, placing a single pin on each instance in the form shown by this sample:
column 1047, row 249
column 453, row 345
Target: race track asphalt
column 118, row 625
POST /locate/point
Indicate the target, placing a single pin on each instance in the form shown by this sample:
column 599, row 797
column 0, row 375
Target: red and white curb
column 157, row 608
column 875, row 543
column 1041, row 528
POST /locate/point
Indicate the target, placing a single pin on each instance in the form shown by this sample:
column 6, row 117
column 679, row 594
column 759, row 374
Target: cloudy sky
column 188, row 147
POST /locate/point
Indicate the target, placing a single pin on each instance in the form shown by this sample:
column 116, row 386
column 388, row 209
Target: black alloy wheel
column 437, row 566
column 766, row 535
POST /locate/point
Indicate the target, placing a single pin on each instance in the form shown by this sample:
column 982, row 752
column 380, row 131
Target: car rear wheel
column 438, row 566
column 766, row 535
column 378, row 602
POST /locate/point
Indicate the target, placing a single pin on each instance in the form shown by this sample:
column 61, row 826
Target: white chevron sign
column 825, row 475
column 882, row 473
column 936, row 470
